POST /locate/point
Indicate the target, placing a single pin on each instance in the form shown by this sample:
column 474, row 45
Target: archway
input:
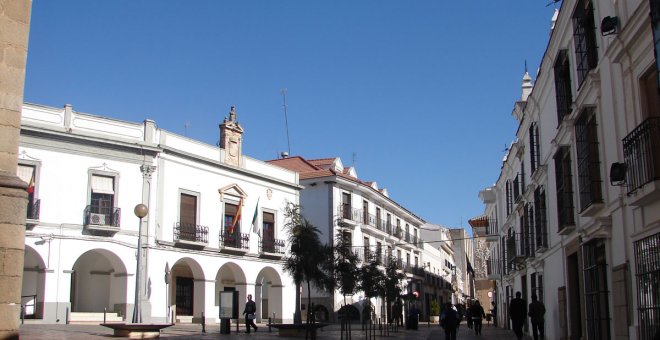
column 187, row 290
column 98, row 281
column 230, row 277
column 268, row 294
column 34, row 283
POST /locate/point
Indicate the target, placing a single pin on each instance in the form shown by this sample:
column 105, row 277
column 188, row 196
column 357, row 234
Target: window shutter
column 25, row 172
column 188, row 209
column 103, row 185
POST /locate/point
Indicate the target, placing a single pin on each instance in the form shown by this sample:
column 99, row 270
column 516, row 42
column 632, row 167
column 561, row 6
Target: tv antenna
column 186, row 125
column 283, row 91
column 552, row 2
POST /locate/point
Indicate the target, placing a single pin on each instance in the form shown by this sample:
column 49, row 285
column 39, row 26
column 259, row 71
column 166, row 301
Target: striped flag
column 237, row 217
column 255, row 225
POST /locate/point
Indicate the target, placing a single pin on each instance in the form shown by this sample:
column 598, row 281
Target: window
column 540, row 220
column 537, row 285
column 366, row 249
column 348, row 238
column 187, row 217
column 509, row 198
column 365, row 212
column 102, row 201
column 398, row 228
column 379, row 252
column 588, row 161
column 647, row 262
column 268, row 225
column 655, row 25
column 389, row 223
column 534, row 152
column 27, row 173
column 596, row 293
column 650, row 93
column 565, row 208
column 378, row 218
column 346, row 205
column 563, row 91
column 529, row 230
column 584, row 35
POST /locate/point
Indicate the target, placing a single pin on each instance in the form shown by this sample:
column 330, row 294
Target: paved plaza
column 91, row 332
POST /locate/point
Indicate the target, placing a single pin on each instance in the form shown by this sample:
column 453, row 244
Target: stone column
column 14, row 28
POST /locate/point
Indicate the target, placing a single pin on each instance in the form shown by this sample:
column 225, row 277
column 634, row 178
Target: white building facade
column 87, row 173
column 574, row 216
column 377, row 226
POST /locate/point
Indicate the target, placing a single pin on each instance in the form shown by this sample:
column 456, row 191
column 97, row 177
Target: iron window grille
column 540, row 219
column 564, row 186
column 596, row 293
column 641, row 152
column 563, row 89
column 529, row 235
column 588, row 159
column 647, row 262
column 534, row 152
column 584, row 36
column 509, row 198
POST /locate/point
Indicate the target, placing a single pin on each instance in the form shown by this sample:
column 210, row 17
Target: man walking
column 518, row 313
column 537, row 314
column 249, row 311
column 477, row 313
column 449, row 321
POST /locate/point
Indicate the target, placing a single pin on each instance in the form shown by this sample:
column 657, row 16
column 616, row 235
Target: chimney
column 231, row 139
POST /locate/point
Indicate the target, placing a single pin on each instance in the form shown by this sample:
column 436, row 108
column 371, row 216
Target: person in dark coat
column 478, row 314
column 537, row 316
column 249, row 312
column 449, row 321
column 518, row 313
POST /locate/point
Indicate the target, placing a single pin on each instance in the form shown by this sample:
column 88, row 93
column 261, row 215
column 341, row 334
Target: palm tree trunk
column 297, row 318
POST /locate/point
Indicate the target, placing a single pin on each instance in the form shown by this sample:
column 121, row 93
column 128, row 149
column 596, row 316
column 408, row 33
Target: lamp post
column 140, row 211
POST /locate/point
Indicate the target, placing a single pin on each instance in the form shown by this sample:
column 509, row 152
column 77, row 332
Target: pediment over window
column 233, row 190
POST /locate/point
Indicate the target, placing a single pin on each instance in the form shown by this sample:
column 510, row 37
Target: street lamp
column 140, row 211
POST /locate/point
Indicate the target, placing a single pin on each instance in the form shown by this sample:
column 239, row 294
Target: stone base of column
column 13, row 205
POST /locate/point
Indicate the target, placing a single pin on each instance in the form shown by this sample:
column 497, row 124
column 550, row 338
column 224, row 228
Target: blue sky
column 418, row 93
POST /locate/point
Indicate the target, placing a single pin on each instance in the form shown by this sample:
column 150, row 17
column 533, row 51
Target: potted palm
column 435, row 311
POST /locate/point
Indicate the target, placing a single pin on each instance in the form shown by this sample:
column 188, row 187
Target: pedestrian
column 399, row 312
column 493, row 313
column 468, row 314
column 449, row 321
column 537, row 316
column 249, row 312
column 518, row 313
column 477, row 313
column 460, row 311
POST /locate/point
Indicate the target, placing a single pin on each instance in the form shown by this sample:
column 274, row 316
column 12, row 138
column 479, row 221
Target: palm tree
column 345, row 265
column 306, row 261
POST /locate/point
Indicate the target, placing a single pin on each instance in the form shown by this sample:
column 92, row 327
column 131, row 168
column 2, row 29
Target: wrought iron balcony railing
column 641, row 151
column 272, row 245
column 235, row 240
column 346, row 212
column 33, row 210
column 518, row 247
column 191, row 232
column 493, row 268
column 102, row 216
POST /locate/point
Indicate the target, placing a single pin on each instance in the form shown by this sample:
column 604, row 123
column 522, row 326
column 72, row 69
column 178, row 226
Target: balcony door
column 187, row 217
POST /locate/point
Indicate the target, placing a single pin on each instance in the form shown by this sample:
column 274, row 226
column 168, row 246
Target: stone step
column 91, row 317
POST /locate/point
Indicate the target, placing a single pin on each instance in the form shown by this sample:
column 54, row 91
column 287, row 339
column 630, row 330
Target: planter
column 435, row 319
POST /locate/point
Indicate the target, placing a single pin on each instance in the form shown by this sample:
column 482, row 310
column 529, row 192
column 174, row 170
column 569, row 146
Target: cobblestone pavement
column 92, row 332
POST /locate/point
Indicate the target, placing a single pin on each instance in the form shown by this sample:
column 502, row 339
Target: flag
column 469, row 265
column 30, row 188
column 237, row 217
column 255, row 226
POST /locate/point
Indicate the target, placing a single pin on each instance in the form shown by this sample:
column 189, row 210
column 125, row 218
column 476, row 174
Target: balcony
column 485, row 226
column 271, row 247
column 349, row 215
column 190, row 235
column 518, row 248
column 493, row 269
column 102, row 220
column 235, row 242
column 32, row 217
column 641, row 152
column 541, row 242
